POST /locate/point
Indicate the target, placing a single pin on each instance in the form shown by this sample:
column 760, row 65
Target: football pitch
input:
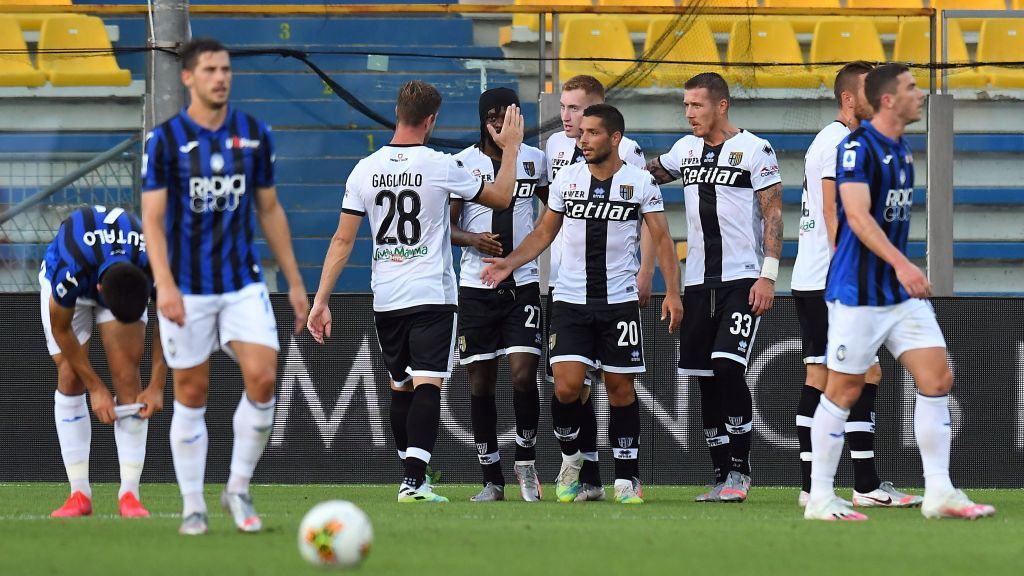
column 670, row 534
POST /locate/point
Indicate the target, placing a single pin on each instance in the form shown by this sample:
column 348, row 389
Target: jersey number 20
column 407, row 204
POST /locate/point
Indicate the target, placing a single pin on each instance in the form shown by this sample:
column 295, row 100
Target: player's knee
column 939, row 385
column 620, row 393
column 566, row 393
column 126, row 382
column 260, row 383
column 523, row 379
column 482, row 387
column 729, row 373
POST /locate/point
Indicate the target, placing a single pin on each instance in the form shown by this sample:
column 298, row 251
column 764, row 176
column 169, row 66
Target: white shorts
column 87, row 312
column 242, row 316
column 856, row 332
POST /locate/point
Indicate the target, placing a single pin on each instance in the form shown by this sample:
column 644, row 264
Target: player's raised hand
column 672, row 308
column 170, row 304
column 511, row 135
column 102, row 404
column 913, row 280
column 496, row 272
column 319, row 322
column 762, row 296
column 153, row 398
column 300, row 305
column 487, row 243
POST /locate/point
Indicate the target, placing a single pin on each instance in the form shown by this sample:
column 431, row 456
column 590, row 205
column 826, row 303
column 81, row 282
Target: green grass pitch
column 670, row 534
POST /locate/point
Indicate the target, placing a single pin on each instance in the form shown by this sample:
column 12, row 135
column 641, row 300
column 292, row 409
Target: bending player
column 207, row 178
column 818, row 226
column 503, row 320
column 876, row 296
column 598, row 206
column 404, row 188
column 96, row 271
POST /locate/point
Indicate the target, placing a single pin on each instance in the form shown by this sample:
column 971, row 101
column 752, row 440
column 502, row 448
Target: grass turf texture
column 670, row 534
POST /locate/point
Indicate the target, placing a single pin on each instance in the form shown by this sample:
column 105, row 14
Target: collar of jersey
column 868, row 126
column 200, row 129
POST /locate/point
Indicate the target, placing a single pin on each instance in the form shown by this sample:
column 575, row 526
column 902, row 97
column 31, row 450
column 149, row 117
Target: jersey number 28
column 407, row 205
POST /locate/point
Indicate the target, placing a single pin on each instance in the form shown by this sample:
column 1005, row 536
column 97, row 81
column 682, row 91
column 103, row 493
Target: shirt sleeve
column 352, row 202
column 154, row 162
column 828, row 164
column 542, row 178
column 633, row 155
column 652, row 200
column 671, row 161
column 556, row 203
column 266, row 158
column 764, row 170
column 461, row 183
column 852, row 159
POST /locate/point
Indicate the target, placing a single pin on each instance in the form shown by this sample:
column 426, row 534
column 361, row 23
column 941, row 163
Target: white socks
column 130, row 434
column 827, row 439
column 252, row 424
column 189, row 444
column 934, row 436
column 74, row 431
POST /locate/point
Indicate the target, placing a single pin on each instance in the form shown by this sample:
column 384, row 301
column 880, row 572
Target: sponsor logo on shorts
column 635, row 356
column 551, row 341
column 172, row 348
column 462, row 343
column 743, row 346
column 841, row 353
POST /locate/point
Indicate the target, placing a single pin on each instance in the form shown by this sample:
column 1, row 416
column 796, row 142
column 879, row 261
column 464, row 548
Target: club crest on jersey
column 735, row 158
column 529, row 168
column 462, row 343
column 626, row 191
column 216, row 162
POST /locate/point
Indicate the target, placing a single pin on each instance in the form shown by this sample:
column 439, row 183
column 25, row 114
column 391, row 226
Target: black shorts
column 605, row 336
column 717, row 323
column 593, row 374
column 812, row 313
column 418, row 341
column 495, row 322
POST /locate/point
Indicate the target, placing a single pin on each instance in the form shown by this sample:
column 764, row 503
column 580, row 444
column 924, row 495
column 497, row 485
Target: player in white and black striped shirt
column 598, row 206
column 734, row 215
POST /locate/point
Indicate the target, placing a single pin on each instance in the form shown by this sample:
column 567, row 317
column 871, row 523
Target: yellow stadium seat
column 767, row 41
column 801, row 3
column 693, row 43
column 93, row 66
column 15, row 67
column 1018, row 4
column 969, row 24
column 913, row 46
column 34, row 22
column 635, row 22
column 530, row 20
column 843, row 40
column 1002, row 40
column 595, row 37
column 885, row 4
column 35, row 2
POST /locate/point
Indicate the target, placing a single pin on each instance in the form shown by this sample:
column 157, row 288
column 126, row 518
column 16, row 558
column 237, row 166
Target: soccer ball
column 335, row 533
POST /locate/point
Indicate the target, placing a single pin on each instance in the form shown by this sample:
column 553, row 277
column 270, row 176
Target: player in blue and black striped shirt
column 208, row 176
column 876, row 296
column 96, row 271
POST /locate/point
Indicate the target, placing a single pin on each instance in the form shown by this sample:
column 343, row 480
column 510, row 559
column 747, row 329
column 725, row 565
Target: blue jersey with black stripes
column 858, row 277
column 88, row 242
column 211, row 177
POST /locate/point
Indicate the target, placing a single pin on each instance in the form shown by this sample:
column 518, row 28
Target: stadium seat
column 913, row 46
column 694, row 43
column 1018, row 4
column 801, row 3
column 596, row 37
column 885, row 4
column 1002, row 40
column 15, row 67
column 843, row 40
column 530, row 20
column 969, row 24
column 34, row 22
column 95, row 66
column 768, row 41
column 635, row 22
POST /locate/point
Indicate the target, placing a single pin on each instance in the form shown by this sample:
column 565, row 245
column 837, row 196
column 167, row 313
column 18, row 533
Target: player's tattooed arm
column 770, row 200
column 661, row 176
column 485, row 242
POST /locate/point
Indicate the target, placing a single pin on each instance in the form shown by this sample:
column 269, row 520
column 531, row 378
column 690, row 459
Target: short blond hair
column 417, row 100
column 591, row 86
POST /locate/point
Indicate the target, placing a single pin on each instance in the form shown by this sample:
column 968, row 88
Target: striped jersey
column 813, row 253
column 512, row 224
column 211, row 177
column 561, row 151
column 601, row 232
column 405, row 190
column 88, row 242
column 723, row 215
column 858, row 277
